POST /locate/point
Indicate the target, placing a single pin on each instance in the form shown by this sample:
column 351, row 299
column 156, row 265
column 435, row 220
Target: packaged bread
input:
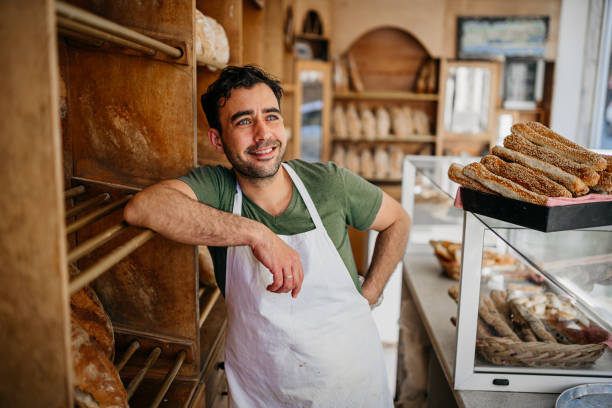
column 401, row 122
column 368, row 123
column 339, row 155
column 353, row 122
column 366, row 164
column 396, row 158
column 206, row 267
column 420, row 122
column 339, row 123
column 381, row 163
column 96, row 381
column 352, row 160
column 211, row 42
column 383, row 123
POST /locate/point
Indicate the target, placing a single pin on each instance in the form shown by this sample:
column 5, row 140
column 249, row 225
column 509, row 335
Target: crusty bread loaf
column 577, row 153
column 88, row 312
column 206, row 267
column 604, row 185
column 569, row 181
column 455, row 173
column 502, row 185
column 525, row 177
column 210, row 40
column 552, row 141
column 96, row 381
column 582, row 171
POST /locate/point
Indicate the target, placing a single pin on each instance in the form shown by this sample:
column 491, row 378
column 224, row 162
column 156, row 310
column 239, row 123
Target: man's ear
column 215, row 139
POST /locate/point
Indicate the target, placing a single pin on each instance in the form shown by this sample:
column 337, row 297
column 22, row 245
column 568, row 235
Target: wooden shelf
column 388, row 96
column 390, row 139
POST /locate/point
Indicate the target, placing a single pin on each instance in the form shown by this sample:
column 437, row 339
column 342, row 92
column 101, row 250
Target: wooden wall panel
column 33, row 279
column 432, row 22
column 130, row 122
column 398, row 58
column 253, row 33
column 422, row 18
column 128, row 115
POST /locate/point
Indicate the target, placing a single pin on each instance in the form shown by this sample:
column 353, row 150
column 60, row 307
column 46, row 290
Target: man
column 275, row 228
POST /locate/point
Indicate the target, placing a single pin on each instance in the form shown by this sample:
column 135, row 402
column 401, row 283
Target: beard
column 260, row 170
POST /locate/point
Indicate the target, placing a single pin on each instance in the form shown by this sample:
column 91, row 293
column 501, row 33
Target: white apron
column 321, row 349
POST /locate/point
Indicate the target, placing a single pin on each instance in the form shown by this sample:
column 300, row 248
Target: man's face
column 253, row 131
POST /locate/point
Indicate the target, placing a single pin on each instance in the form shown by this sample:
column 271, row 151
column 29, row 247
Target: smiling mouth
column 263, row 152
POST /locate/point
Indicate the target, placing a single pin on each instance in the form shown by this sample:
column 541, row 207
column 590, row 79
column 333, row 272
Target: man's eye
column 244, row 121
column 272, row 117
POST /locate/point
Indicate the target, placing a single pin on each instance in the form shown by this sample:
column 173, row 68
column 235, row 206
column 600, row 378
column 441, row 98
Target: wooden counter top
column 428, row 288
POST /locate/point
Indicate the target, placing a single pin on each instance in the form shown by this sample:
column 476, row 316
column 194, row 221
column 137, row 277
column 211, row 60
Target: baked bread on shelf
column 540, row 330
column 96, row 381
column 535, row 163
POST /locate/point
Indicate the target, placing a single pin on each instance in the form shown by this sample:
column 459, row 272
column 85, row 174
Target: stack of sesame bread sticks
column 536, row 163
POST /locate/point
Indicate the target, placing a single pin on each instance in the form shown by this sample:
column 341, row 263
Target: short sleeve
column 208, row 184
column 362, row 200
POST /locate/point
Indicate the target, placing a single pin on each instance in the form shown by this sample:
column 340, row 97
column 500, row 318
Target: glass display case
column 535, row 308
column 540, row 321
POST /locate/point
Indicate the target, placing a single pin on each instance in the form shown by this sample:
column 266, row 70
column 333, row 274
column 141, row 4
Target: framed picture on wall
column 500, row 37
column 523, row 83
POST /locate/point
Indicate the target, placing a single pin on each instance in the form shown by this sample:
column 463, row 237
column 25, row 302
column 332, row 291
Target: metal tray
column 538, row 217
column 586, row 396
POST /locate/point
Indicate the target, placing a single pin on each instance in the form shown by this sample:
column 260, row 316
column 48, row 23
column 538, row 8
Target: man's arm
column 172, row 209
column 393, row 224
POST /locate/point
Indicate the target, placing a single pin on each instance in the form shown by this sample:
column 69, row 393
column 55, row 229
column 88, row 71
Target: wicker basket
column 503, row 351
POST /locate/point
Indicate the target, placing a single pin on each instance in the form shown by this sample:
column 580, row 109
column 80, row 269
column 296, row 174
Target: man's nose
column 262, row 131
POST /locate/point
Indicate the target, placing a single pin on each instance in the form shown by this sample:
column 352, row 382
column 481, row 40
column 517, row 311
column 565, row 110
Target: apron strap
column 312, row 210
column 237, row 210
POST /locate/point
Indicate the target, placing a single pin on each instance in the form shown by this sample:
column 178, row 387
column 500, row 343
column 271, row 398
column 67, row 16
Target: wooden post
column 33, row 279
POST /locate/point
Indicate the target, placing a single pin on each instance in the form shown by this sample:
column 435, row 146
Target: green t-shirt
column 342, row 198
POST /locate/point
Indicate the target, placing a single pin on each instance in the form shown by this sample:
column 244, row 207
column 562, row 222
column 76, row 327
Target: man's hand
column 282, row 261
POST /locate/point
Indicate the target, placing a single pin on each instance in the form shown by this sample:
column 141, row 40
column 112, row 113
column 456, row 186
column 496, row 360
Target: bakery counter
column 428, row 289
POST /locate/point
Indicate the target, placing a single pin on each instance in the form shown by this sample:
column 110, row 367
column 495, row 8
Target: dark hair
column 233, row 77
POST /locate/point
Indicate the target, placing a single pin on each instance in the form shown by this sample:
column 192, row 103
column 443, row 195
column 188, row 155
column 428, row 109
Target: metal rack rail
column 75, row 20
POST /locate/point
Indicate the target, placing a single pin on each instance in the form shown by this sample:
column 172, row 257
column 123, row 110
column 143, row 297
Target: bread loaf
column 339, row 156
column 96, row 381
column 368, row 123
column 353, row 122
column 366, row 164
column 381, row 163
column 339, row 123
column 396, row 159
column 383, row 123
column 88, row 312
column 210, row 40
column 352, row 160
column 206, row 267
